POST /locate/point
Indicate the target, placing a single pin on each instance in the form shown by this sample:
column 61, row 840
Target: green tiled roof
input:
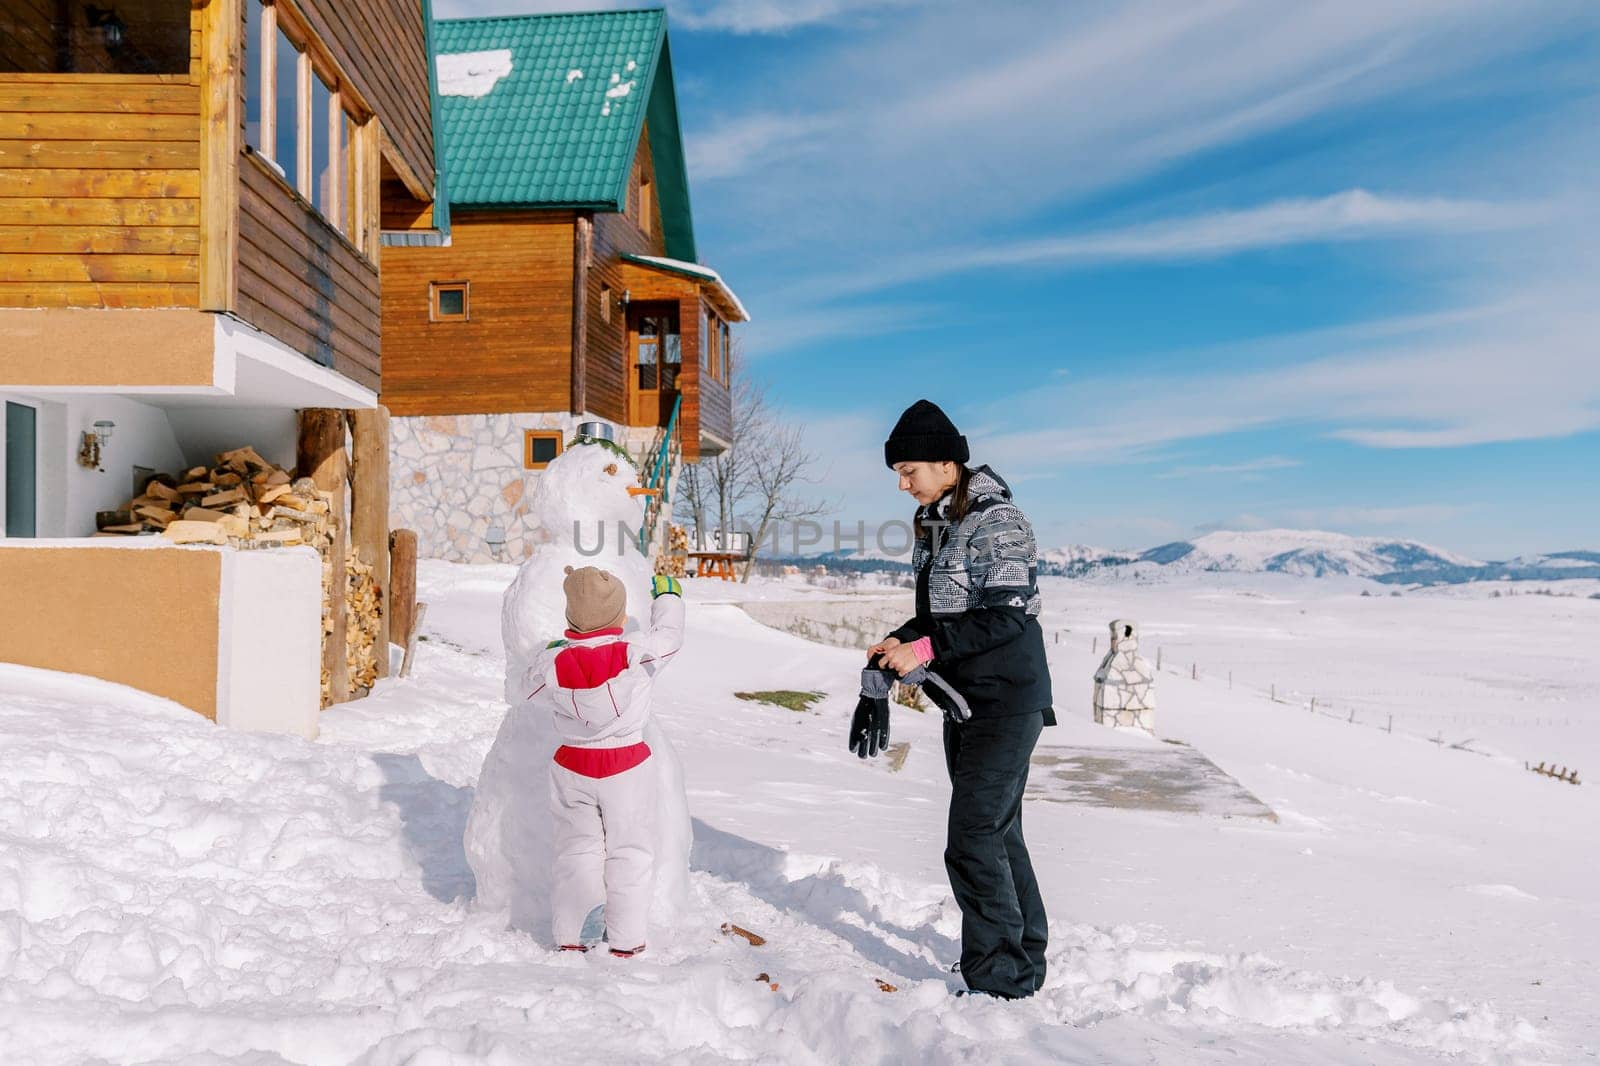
column 560, row 128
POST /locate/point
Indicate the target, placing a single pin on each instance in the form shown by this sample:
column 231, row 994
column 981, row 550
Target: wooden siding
column 514, row 351
column 380, row 46
column 606, row 360
column 99, row 189
column 301, row 281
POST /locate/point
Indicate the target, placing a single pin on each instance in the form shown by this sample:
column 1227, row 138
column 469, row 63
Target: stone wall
column 453, row 477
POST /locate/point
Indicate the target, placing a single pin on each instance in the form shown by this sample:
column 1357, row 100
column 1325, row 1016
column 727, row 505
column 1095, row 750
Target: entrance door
column 22, row 470
column 655, row 357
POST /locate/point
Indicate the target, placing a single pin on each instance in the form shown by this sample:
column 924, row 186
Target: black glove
column 869, row 727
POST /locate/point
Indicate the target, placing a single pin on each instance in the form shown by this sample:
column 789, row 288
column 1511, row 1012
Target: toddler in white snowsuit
column 596, row 682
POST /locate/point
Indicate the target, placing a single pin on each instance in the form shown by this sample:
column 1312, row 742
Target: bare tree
column 779, row 465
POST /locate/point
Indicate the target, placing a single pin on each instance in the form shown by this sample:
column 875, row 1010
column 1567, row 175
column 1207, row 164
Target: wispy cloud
column 1354, row 214
column 1531, row 375
column 726, row 16
column 1251, row 469
column 772, row 16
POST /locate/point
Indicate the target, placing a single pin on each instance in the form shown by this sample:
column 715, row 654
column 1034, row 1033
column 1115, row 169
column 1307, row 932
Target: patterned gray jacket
column 978, row 600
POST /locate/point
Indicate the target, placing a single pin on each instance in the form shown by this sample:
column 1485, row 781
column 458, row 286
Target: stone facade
column 1125, row 684
column 455, row 478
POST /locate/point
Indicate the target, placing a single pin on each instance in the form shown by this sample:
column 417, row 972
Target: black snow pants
column 1003, row 927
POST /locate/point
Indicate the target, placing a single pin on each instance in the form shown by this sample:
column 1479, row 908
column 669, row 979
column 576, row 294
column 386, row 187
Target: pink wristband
column 923, row 646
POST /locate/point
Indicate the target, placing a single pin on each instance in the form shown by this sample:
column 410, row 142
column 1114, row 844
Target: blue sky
column 1172, row 267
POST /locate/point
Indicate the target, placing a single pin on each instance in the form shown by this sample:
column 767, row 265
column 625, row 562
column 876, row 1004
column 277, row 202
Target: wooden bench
column 715, row 564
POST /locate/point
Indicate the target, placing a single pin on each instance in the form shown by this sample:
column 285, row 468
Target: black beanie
column 925, row 434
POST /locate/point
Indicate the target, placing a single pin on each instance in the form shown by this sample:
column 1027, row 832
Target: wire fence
column 1367, row 713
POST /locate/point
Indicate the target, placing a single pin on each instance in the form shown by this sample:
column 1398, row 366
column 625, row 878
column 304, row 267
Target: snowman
column 582, row 500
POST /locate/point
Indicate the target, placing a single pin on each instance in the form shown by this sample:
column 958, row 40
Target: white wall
column 269, row 641
column 204, row 431
column 70, row 494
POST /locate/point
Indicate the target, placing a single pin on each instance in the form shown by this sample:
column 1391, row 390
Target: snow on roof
column 696, row 270
column 474, row 73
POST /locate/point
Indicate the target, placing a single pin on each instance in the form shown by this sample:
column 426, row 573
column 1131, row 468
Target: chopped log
column 196, row 533
column 242, row 460
column 104, row 519
column 272, row 492
column 125, row 529
column 280, row 536
column 195, row 488
column 195, row 473
column 222, row 499
column 160, row 491
column 158, row 514
column 402, row 584
column 227, row 480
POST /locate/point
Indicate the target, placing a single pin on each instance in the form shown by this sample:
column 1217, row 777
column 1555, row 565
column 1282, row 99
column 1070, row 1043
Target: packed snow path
column 174, row 893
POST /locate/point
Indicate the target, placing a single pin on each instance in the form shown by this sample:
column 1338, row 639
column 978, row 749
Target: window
column 297, row 119
column 605, row 303
column 326, row 133
column 447, row 301
column 645, row 219
column 725, row 348
column 108, row 37
column 285, row 146
column 252, row 75
column 705, row 341
column 539, row 447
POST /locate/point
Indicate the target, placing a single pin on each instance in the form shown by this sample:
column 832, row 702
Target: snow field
column 175, row 893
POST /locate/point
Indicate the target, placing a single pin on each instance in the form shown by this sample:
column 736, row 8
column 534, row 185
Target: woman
column 977, row 627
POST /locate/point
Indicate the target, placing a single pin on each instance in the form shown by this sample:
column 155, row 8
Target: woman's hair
column 959, row 503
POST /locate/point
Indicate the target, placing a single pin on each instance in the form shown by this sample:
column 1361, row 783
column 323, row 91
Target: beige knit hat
column 595, row 599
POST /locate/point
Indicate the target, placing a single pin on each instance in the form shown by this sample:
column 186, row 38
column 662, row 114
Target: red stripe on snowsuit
column 590, row 666
column 601, row 762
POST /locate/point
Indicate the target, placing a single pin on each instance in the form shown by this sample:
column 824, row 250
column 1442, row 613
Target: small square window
column 447, row 301
column 539, row 447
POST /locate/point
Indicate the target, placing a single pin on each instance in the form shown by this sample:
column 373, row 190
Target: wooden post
column 222, row 23
column 1391, row 723
column 321, row 457
column 411, row 640
column 369, row 510
column 402, row 585
column 1194, row 671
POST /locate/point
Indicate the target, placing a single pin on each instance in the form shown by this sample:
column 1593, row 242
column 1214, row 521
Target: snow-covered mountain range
column 1313, row 553
column 1302, row 552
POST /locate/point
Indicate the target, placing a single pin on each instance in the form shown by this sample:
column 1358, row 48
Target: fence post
column 1158, row 658
column 1391, row 723
column 1313, row 705
column 1094, row 649
column 1230, row 680
column 1274, row 692
column 1194, row 671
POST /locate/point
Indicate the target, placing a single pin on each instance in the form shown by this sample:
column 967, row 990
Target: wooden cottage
column 191, row 201
column 570, row 289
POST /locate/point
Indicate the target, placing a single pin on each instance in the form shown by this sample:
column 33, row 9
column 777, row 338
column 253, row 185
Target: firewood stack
column 243, row 501
column 675, row 560
column 361, row 631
